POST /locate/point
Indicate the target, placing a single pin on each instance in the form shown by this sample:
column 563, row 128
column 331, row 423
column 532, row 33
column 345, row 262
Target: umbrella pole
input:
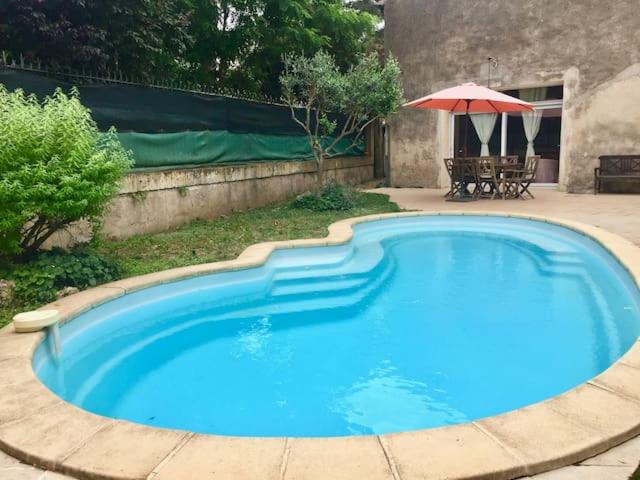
column 466, row 133
column 465, row 152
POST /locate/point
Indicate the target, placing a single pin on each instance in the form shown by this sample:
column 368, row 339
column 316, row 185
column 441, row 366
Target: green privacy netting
column 139, row 108
column 215, row 147
column 164, row 127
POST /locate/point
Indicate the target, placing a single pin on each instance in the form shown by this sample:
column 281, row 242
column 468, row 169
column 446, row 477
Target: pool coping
column 38, row 427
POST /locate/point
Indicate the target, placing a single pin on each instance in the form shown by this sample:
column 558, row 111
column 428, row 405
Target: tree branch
column 39, row 232
column 38, row 241
column 348, row 128
column 357, row 137
column 298, row 121
column 32, row 231
column 317, row 121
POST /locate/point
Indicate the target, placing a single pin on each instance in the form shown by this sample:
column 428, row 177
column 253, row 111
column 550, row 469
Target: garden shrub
column 55, row 168
column 332, row 196
column 39, row 280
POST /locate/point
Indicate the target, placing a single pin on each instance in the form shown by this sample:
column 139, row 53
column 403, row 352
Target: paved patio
column 619, row 214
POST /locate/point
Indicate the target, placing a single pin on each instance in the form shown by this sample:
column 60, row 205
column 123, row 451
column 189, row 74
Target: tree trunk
column 36, row 234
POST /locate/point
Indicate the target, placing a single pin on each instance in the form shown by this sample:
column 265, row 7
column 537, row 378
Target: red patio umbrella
column 470, row 98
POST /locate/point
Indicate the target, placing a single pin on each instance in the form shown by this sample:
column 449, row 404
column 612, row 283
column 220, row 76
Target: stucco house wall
column 590, row 47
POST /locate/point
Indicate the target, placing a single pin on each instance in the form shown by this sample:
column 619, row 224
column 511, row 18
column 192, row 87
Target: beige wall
column 590, row 47
column 156, row 201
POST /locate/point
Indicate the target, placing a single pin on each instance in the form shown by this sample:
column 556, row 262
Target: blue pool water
column 418, row 322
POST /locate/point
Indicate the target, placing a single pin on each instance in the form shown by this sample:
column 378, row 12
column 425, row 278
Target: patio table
column 465, row 171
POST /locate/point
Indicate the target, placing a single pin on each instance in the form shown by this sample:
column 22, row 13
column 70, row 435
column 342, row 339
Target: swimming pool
column 418, row 322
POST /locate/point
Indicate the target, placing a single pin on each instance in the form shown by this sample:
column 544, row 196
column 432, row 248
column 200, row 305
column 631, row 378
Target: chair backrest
column 620, row 164
column 463, row 168
column 508, row 159
column 486, row 166
column 448, row 165
column 531, row 165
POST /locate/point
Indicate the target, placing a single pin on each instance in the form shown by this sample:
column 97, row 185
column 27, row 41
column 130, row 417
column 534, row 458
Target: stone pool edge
column 38, row 427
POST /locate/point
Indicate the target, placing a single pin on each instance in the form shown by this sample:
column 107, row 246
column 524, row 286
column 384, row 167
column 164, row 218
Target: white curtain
column 531, row 120
column 484, row 123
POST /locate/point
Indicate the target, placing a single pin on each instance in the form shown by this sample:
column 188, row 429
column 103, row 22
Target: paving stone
column 341, row 458
column 12, row 469
column 7, row 461
column 632, row 357
column 52, row 434
column 542, row 437
column 15, row 370
column 14, row 344
column 124, row 451
column 626, row 455
column 608, row 413
column 76, row 304
column 586, row 473
column 21, row 473
column 622, row 379
column 205, row 457
column 450, row 453
column 21, row 399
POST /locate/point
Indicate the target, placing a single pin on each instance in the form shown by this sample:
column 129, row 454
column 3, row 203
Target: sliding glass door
column 546, row 143
column 536, row 133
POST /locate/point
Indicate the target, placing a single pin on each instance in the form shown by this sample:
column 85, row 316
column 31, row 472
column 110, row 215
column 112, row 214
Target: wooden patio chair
column 520, row 179
column 464, row 174
column 488, row 182
column 504, row 167
column 448, row 165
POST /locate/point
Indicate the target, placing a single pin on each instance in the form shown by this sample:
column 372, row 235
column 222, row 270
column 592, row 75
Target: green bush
column 39, row 280
column 55, row 168
column 331, row 197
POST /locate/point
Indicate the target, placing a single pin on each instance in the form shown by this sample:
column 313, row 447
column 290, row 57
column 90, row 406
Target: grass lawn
column 224, row 238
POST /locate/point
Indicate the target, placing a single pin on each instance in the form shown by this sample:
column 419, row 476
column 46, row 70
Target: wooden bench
column 617, row 167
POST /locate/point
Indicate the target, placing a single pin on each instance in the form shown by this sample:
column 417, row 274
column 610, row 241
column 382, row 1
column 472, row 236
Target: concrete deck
column 617, row 213
column 616, row 464
column 36, row 426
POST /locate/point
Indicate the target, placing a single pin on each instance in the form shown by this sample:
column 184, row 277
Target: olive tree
column 330, row 105
column 55, row 168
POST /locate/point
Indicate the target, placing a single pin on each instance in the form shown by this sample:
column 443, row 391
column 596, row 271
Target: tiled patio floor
column 617, row 213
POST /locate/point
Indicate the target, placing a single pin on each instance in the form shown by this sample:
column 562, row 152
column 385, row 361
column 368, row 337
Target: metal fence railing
column 9, row 61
